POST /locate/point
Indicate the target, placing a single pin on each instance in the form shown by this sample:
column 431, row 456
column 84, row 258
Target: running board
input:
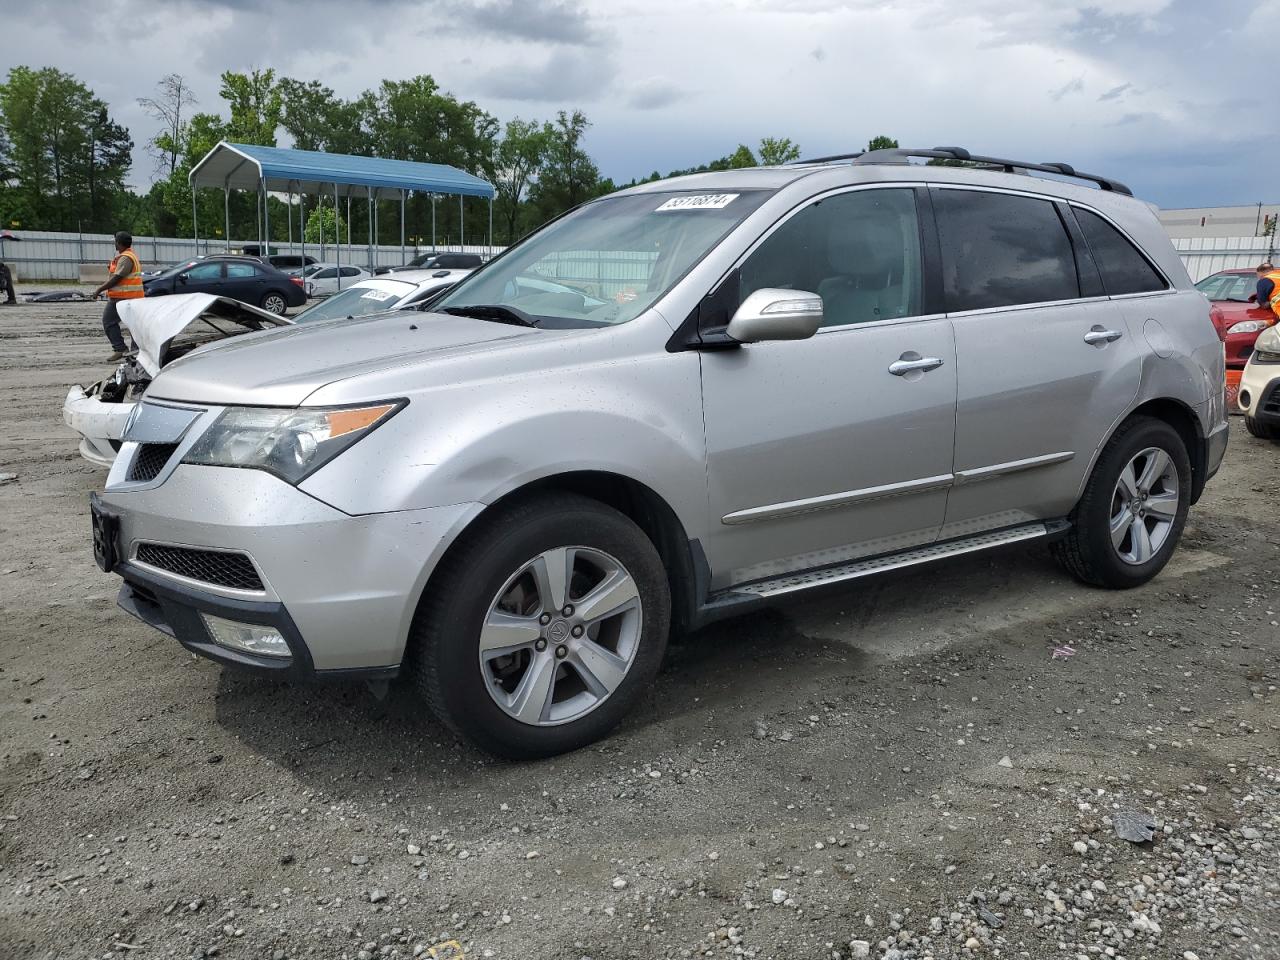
column 791, row 582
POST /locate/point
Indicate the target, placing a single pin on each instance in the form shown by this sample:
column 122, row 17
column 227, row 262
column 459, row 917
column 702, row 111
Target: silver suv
column 671, row 405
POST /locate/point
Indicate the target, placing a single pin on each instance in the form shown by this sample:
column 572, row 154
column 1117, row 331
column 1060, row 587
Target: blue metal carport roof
column 240, row 166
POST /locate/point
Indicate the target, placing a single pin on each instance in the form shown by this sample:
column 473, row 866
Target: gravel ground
column 903, row 769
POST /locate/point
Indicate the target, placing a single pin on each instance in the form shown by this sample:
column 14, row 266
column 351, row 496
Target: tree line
column 64, row 161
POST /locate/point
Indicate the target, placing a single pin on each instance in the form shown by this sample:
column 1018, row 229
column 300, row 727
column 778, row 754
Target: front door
column 822, row 450
column 202, row 278
column 1047, row 362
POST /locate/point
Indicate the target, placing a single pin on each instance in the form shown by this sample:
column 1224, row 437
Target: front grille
column 150, row 460
column 223, row 569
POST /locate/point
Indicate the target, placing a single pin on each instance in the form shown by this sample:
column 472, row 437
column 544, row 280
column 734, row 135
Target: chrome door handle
column 1098, row 335
column 900, row 368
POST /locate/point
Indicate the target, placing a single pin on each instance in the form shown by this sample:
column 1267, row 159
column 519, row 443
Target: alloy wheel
column 1144, row 505
column 560, row 635
column 274, row 304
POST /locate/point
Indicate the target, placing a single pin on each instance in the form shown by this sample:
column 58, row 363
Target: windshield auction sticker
column 378, row 295
column 699, row 201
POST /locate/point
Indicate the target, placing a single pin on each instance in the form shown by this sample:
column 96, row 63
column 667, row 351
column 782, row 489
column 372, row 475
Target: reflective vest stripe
column 131, row 286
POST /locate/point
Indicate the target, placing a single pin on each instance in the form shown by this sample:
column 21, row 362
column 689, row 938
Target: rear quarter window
column 1124, row 269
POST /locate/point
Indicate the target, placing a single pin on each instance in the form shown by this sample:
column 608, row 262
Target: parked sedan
column 246, row 279
column 323, row 279
column 436, row 261
column 378, row 294
column 1238, row 319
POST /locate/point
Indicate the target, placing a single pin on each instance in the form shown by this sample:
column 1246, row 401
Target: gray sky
column 1167, row 95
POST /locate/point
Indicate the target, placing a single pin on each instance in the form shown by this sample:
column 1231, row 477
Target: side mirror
column 182, row 278
column 776, row 314
column 1253, row 298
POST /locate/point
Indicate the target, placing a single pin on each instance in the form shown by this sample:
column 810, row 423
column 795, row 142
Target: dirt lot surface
column 903, row 769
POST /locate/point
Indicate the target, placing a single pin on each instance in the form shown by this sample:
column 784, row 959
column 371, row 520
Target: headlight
column 1248, row 326
column 1268, row 341
column 291, row 443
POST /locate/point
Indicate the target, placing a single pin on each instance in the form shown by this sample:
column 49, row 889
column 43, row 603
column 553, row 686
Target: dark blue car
column 246, row 279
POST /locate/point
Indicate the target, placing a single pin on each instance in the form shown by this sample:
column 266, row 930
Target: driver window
column 206, row 271
column 859, row 251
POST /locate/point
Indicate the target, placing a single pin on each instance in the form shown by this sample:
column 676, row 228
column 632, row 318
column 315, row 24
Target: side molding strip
column 832, row 501
column 1012, row 466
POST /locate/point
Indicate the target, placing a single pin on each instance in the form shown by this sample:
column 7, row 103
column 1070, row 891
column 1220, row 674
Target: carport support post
column 370, row 192
column 402, row 227
column 226, row 215
column 195, row 223
column 337, row 236
column 432, row 197
column 289, row 210
column 491, row 228
column 266, row 219
column 462, row 233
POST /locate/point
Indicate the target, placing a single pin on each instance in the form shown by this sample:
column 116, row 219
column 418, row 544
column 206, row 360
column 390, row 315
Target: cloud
column 655, row 93
column 1073, row 86
column 565, row 75
column 818, row 54
column 566, row 22
column 1115, row 93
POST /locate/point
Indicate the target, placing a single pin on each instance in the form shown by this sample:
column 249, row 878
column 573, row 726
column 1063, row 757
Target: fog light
column 246, row 637
column 1244, row 399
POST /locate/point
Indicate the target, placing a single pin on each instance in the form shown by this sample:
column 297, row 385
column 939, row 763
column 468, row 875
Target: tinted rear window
column 1000, row 250
column 1123, row 268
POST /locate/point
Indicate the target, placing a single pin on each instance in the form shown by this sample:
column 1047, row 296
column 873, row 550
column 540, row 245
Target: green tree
column 320, row 227
column 67, row 157
column 318, row 119
column 568, row 176
column 517, row 161
column 882, row 143
column 256, row 106
column 742, row 157
column 774, row 151
column 168, row 107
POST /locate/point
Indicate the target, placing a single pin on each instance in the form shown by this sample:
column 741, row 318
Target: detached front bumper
column 100, row 425
column 246, row 547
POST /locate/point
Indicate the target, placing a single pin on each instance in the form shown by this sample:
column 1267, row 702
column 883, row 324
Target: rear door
column 1047, row 364
column 823, row 450
column 245, row 282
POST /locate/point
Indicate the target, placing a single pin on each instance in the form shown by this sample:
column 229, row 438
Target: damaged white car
column 162, row 329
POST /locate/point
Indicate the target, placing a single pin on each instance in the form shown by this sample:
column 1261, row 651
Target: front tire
column 543, row 627
column 1263, row 431
column 1130, row 518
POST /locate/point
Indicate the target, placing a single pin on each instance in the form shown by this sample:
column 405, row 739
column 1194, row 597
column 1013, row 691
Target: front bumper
column 340, row 589
column 100, row 425
column 1260, row 392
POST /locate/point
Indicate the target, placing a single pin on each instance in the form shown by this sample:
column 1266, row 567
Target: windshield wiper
column 496, row 312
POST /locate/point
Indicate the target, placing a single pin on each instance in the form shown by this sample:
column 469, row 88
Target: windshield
column 1228, row 286
column 358, row 301
column 606, row 262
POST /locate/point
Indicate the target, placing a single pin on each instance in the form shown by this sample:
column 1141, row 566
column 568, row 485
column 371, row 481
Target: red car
column 1237, row 319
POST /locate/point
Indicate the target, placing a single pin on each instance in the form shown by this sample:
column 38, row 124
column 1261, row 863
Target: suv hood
column 284, row 367
column 155, row 323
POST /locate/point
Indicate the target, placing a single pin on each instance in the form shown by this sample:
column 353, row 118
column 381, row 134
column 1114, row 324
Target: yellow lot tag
column 448, row 950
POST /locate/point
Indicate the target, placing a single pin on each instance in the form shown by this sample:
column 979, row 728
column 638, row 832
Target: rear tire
column 500, row 665
column 1130, row 518
column 273, row 302
column 1263, row 431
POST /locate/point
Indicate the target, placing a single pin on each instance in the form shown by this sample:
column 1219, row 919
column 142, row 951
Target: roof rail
column 831, row 159
column 1008, row 166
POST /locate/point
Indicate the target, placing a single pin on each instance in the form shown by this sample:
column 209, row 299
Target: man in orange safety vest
column 124, row 282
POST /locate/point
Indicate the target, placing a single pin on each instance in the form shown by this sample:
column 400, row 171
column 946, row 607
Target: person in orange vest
column 1269, row 287
column 124, row 282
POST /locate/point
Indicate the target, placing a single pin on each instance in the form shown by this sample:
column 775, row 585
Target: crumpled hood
column 284, row 367
column 154, row 322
